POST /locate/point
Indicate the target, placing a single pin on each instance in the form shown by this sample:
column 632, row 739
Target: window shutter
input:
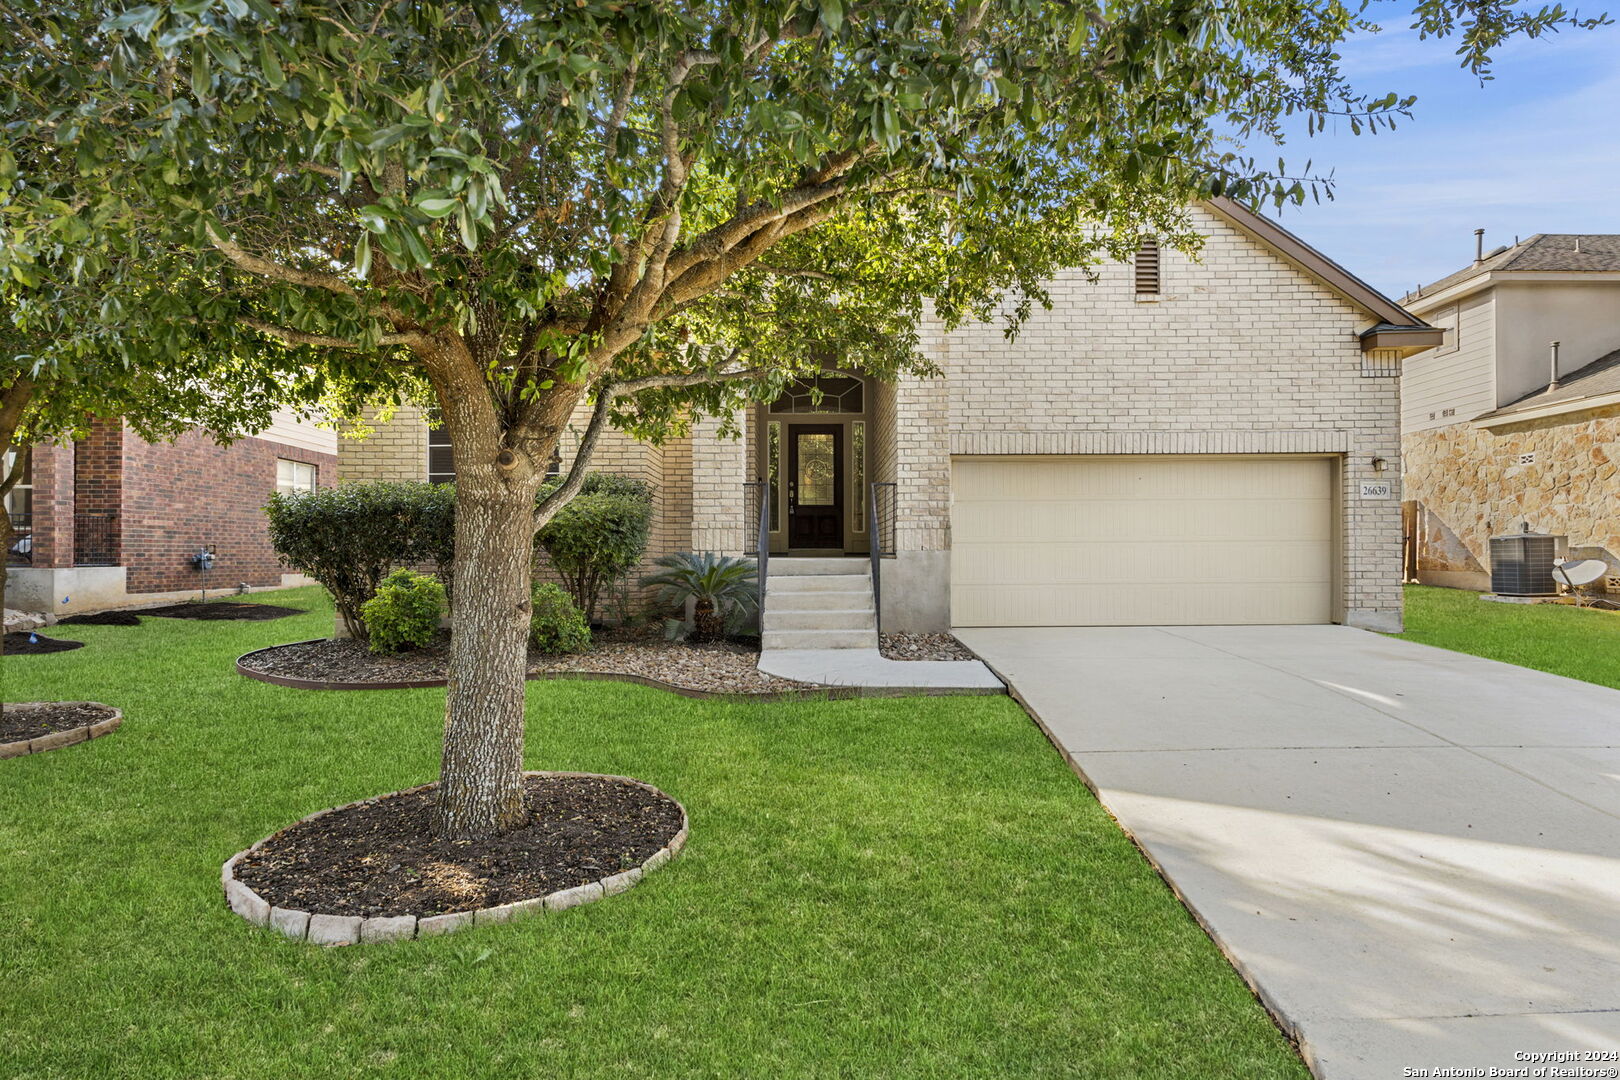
column 1147, row 268
column 441, row 463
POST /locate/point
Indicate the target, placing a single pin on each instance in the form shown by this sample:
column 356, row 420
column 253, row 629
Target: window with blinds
column 1147, row 268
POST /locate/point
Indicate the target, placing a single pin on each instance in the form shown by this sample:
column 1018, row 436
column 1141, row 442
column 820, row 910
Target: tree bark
column 481, row 775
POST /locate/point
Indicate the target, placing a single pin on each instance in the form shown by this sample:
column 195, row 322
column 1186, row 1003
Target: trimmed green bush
column 404, row 613
column 599, row 536
column 556, row 625
column 349, row 537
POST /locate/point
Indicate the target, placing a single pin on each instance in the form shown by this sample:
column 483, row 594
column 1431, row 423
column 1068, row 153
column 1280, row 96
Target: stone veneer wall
column 1470, row 486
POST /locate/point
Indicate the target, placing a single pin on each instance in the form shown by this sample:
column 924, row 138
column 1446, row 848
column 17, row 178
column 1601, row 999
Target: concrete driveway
column 1413, row 855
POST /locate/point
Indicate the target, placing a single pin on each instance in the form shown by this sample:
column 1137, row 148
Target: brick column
column 719, row 468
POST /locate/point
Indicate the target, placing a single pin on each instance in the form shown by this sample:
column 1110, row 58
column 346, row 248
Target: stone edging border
column 816, row 693
column 322, row 929
column 58, row 739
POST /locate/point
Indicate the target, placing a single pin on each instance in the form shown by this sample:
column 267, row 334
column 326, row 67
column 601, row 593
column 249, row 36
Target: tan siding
column 1461, row 380
column 287, row 428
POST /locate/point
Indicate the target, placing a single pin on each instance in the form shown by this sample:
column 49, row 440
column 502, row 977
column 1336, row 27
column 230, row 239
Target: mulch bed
column 924, row 647
column 379, row 859
column 19, row 723
column 223, row 609
column 102, row 618
column 24, row 642
column 720, row 667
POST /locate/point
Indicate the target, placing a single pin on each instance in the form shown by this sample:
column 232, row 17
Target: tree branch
column 255, row 264
column 582, row 457
column 299, row 337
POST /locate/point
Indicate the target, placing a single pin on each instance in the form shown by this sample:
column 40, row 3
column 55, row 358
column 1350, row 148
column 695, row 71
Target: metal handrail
column 20, row 550
column 880, row 526
column 761, row 492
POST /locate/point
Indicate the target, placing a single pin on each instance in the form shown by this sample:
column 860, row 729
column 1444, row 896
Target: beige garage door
column 1141, row 541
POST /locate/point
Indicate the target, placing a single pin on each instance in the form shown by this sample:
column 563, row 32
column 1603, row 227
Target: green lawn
column 1578, row 642
column 903, row 888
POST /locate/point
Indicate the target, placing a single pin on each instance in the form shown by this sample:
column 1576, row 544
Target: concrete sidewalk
column 1412, row 854
column 871, row 669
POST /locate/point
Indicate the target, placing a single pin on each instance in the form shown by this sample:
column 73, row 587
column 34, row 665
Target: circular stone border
column 810, row 693
column 58, row 739
column 319, row 929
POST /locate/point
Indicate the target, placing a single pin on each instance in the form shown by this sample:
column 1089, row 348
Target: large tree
column 662, row 206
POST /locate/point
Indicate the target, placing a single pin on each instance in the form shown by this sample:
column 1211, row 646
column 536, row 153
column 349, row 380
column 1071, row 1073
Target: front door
column 816, row 486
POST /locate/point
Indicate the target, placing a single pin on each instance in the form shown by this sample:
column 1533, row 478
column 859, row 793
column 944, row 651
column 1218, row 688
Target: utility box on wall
column 1522, row 563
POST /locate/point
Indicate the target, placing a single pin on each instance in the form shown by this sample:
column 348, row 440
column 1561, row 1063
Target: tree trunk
column 481, row 778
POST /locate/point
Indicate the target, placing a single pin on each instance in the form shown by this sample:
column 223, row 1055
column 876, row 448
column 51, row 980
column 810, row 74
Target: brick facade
column 181, row 496
column 1242, row 353
column 113, row 499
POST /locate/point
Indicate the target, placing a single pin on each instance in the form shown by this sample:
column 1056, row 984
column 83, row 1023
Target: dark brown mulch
column 924, row 647
column 102, row 618
column 379, row 859
column 21, row 722
column 23, row 642
column 223, row 609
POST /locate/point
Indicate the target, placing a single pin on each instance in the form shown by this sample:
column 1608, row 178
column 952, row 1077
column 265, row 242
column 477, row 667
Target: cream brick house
column 1176, row 442
column 1515, row 417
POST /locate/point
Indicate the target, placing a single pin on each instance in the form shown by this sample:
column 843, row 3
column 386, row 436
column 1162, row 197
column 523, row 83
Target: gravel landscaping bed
column 378, row 858
column 29, row 721
column 721, row 667
column 923, row 647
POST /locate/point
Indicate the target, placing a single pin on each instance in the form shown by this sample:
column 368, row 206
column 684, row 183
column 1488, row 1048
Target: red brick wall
column 53, row 505
column 180, row 496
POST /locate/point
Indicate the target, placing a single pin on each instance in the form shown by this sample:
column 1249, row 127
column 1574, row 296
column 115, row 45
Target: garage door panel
column 1170, row 562
column 1068, row 541
column 1119, row 520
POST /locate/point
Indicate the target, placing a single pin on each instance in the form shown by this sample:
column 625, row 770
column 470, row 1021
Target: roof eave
column 1406, row 339
column 1497, row 419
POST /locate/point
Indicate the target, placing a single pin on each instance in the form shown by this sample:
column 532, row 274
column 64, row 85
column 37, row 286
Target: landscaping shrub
column 599, row 536
column 720, row 587
column 349, row 537
column 404, row 612
column 556, row 625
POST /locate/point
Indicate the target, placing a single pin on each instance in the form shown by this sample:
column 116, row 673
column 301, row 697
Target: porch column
column 719, row 469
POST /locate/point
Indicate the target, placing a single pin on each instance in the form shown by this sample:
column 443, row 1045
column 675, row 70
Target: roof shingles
column 1547, row 252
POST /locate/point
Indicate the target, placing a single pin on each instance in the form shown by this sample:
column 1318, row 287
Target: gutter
column 1492, row 420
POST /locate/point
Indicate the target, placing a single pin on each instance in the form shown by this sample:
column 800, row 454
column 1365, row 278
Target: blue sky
column 1537, row 149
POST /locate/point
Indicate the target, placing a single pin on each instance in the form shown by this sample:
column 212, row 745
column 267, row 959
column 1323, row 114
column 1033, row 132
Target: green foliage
column 556, row 625
column 599, row 536
column 404, row 613
column 350, row 536
column 720, row 588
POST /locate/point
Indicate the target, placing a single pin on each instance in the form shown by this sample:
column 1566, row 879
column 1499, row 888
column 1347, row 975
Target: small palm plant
column 719, row 587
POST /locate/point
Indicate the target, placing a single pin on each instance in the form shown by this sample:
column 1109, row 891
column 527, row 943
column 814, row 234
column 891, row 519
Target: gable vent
column 1147, row 268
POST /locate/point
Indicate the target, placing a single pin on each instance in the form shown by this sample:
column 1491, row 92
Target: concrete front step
column 819, row 639
column 818, row 583
column 817, row 600
column 849, row 619
column 796, row 567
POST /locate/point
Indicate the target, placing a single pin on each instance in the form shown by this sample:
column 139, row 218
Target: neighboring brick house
column 1515, row 417
column 112, row 517
column 1179, row 441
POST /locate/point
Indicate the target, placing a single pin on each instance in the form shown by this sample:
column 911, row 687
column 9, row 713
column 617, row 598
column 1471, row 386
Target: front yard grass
column 1580, row 643
column 886, row 888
